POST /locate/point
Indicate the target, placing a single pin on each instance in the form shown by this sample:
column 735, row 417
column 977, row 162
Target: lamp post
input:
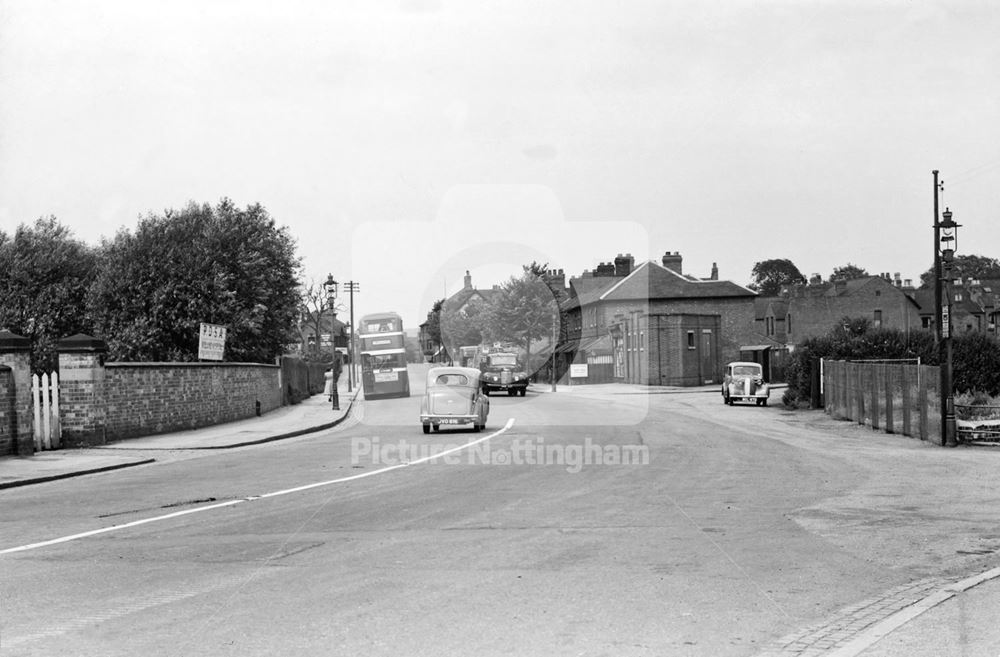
column 945, row 243
column 330, row 287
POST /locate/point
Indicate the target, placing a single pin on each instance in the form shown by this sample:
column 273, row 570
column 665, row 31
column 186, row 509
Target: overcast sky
column 405, row 142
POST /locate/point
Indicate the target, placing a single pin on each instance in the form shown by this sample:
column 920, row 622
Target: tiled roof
column 651, row 280
column 924, row 299
column 777, row 305
column 463, row 296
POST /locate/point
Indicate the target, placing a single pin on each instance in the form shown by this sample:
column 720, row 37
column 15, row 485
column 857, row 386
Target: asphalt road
column 730, row 528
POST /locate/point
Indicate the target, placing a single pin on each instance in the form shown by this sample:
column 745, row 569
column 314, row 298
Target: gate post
column 81, row 382
column 15, row 353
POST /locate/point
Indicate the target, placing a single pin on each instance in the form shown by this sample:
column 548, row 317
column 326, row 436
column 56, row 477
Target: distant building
column 815, row 309
column 652, row 324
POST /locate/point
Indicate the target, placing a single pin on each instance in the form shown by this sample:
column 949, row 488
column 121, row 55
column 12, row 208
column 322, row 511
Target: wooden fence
column 892, row 397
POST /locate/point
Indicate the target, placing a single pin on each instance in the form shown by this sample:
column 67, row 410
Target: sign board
column 578, row 371
column 211, row 342
column 945, row 322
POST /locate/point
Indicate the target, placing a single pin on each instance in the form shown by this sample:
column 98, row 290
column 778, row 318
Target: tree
column 966, row 267
column 432, row 330
column 524, row 311
column 769, row 276
column 316, row 318
column 46, row 274
column 848, row 272
column 461, row 326
column 221, row 265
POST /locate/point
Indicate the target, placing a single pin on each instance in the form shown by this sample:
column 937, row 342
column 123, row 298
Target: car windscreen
column 746, row 370
column 452, row 380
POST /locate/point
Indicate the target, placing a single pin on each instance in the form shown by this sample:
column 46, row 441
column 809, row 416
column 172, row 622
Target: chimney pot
column 673, row 262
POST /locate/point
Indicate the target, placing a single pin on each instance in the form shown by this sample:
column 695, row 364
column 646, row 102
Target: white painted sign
column 578, row 371
column 211, row 342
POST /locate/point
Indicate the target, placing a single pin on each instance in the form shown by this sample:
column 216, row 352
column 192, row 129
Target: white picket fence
column 45, row 400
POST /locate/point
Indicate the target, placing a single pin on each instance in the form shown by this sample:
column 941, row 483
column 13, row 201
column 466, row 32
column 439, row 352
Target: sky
column 405, row 142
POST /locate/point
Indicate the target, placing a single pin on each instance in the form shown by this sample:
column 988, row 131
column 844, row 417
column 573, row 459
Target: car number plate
column 383, row 377
column 449, row 420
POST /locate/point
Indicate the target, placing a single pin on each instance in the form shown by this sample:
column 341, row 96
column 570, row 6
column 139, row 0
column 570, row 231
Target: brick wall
column 81, row 412
column 815, row 314
column 17, row 431
column 7, row 418
column 148, row 398
column 737, row 327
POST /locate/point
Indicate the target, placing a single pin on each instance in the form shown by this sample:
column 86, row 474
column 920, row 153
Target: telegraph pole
column 352, row 287
column 940, row 329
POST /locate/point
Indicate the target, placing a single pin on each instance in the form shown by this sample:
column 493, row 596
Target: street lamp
column 945, row 244
column 330, row 287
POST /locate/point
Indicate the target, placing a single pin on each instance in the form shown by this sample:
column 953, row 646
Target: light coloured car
column 744, row 381
column 453, row 397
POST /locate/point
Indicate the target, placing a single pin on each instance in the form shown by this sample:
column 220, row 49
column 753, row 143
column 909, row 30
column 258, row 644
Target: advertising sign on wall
column 211, row 342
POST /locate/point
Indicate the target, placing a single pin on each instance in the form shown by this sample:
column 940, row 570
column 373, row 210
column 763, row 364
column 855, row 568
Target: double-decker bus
column 383, row 356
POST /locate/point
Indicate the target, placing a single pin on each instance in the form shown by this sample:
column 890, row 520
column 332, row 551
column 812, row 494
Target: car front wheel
column 427, row 428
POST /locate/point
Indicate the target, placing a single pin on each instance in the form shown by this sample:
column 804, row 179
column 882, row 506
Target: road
column 730, row 528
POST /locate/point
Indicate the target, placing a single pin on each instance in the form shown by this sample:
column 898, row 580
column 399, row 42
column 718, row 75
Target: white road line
column 287, row 491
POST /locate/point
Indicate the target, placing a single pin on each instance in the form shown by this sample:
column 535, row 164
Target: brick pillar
column 15, row 353
column 81, row 390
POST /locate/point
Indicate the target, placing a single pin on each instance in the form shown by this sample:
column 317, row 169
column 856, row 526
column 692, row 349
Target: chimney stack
column 605, row 269
column 623, row 264
column 468, row 280
column 715, row 272
column 673, row 262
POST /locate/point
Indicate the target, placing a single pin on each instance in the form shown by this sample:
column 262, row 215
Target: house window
column 958, row 296
column 691, row 340
column 878, row 319
column 642, row 340
column 788, row 323
column 878, row 293
column 926, row 322
column 770, row 325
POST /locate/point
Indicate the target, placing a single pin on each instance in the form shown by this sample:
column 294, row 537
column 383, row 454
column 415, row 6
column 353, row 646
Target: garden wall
column 142, row 399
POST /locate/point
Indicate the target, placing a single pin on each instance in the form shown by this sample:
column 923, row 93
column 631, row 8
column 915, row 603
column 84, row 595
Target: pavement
column 936, row 620
column 312, row 414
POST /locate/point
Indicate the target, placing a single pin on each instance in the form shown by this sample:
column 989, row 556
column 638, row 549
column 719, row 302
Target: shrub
column 976, row 364
column 854, row 339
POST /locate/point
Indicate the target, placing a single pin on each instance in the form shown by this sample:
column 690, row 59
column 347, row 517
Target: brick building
column 973, row 306
column 814, row 309
column 652, row 324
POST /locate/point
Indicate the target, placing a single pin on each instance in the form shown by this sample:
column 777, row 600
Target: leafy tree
column 848, row 272
column 524, row 311
column 966, row 267
column 222, row 265
column 433, row 328
column 46, row 273
column 769, row 276
column 461, row 327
